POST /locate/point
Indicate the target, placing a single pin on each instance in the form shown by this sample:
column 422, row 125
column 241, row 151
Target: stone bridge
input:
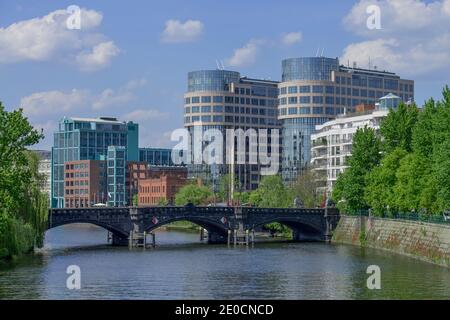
column 123, row 223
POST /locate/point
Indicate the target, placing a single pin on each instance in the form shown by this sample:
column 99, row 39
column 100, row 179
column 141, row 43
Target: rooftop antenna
column 222, row 65
column 217, row 65
column 369, row 63
column 317, row 52
column 322, row 52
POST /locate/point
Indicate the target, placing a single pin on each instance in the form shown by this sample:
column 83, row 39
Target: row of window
column 236, row 100
column 76, row 191
column 231, row 119
column 375, row 82
column 308, row 110
column 77, row 183
column 324, row 100
column 230, row 109
column 77, row 174
column 389, row 84
column 153, row 189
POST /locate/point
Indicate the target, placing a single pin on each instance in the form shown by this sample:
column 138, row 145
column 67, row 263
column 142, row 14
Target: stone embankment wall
column 425, row 241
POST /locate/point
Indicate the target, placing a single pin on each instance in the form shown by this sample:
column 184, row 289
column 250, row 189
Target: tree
column 272, row 193
column 397, row 127
column 306, row 188
column 380, row 182
column 192, row 193
column 23, row 208
column 348, row 191
column 410, row 177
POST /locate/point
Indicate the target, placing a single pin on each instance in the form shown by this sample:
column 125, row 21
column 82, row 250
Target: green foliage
column 135, row 200
column 191, row 193
column 272, row 193
column 348, row 191
column 305, row 188
column 397, row 128
column 380, row 182
column 163, row 202
column 414, row 174
column 23, row 207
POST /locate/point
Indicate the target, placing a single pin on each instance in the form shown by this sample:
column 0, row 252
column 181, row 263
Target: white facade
column 331, row 145
column 45, row 169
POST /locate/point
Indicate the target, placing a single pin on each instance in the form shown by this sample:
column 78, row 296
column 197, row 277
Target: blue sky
column 130, row 59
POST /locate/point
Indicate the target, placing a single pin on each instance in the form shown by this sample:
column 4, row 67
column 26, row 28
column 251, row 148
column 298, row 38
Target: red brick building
column 84, row 183
column 136, row 171
column 161, row 185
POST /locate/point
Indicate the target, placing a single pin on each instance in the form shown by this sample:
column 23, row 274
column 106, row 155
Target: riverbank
column 425, row 241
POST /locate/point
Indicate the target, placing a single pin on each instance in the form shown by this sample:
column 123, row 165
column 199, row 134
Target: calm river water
column 182, row 268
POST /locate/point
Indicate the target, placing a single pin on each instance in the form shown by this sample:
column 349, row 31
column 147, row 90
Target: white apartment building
column 331, row 144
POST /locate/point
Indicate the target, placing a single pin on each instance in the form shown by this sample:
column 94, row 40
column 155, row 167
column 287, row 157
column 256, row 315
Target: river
column 181, row 267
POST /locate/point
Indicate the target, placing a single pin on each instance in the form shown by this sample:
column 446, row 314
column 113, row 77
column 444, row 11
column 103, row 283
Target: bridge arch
column 113, row 229
column 301, row 230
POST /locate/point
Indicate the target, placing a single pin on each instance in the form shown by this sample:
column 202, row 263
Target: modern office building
column 318, row 89
column 88, row 139
column 84, row 183
column 116, row 176
column 221, row 99
column 331, row 144
column 156, row 156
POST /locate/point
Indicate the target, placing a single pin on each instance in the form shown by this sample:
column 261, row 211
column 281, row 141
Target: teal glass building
column 116, row 162
column 88, row 139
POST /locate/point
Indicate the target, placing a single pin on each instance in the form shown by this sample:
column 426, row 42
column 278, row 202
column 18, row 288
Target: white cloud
column 48, row 38
column 43, row 104
column 414, row 38
column 97, row 58
column 177, row 31
column 291, row 38
column 142, row 115
column 246, row 55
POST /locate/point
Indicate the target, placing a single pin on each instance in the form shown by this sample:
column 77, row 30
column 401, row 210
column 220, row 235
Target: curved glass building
column 318, row 89
column 221, row 99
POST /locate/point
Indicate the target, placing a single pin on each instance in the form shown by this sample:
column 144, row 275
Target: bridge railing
column 411, row 216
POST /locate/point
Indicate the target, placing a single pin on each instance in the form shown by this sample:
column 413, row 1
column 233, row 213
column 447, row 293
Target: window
column 206, row 109
column 292, row 100
column 292, row 89
column 329, row 100
column 195, row 100
column 317, row 99
column 317, row 89
column 305, row 89
column 217, row 99
column 283, row 90
column 283, row 101
column 206, row 99
column 217, row 109
column 305, row 110
column 195, row 109
column 305, row 99
column 318, row 110
column 292, row 111
column 187, row 100
column 329, row 89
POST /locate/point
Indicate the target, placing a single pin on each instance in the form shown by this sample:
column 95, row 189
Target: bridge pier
column 119, row 240
column 216, row 238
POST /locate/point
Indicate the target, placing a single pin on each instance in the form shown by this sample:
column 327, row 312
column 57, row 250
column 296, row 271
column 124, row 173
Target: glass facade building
column 116, row 161
column 315, row 90
column 221, row 99
column 156, row 156
column 88, row 139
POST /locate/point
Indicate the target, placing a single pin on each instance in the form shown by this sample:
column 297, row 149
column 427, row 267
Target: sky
column 130, row 59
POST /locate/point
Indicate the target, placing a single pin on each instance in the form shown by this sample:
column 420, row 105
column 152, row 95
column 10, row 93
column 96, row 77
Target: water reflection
column 182, row 268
